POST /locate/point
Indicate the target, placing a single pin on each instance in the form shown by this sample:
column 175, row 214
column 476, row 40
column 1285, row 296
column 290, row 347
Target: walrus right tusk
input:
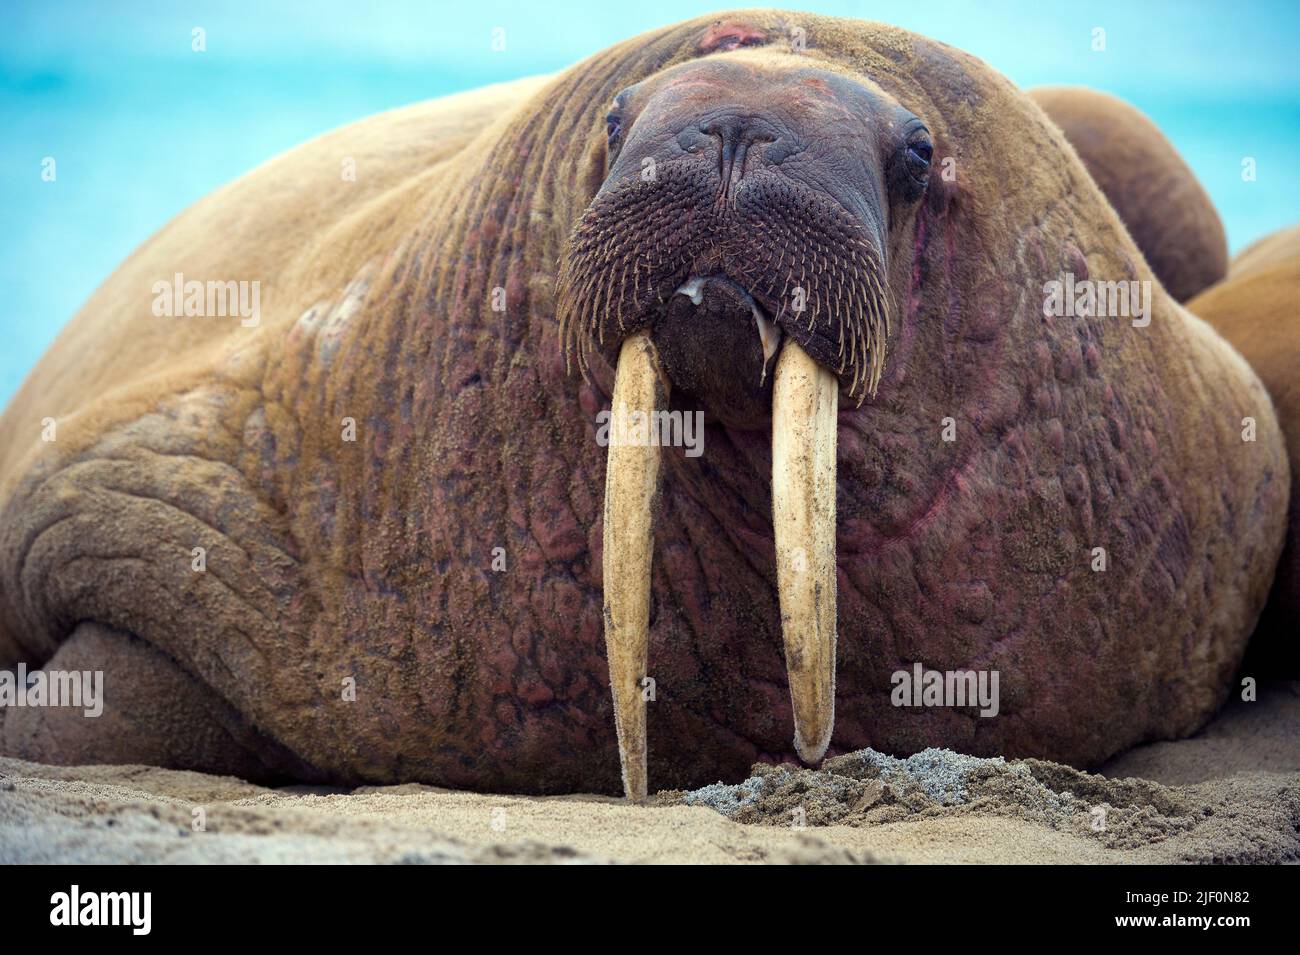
column 805, row 397
column 631, row 483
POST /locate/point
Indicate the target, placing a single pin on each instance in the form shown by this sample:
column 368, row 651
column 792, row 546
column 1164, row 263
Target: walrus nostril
column 735, row 135
column 738, row 130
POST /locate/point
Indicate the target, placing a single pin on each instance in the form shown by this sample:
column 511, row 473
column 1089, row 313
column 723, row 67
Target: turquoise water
column 140, row 125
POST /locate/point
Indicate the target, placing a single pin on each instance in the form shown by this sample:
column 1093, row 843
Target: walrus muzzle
column 816, row 271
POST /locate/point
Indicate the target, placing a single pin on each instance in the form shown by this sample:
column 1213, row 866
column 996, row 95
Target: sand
column 1229, row 794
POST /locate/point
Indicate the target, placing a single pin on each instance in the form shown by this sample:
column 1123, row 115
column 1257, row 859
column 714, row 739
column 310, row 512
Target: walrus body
column 1255, row 308
column 1251, row 302
column 424, row 602
column 1156, row 194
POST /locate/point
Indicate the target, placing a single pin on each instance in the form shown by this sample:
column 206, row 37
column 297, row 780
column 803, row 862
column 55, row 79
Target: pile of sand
column 1230, row 794
column 1252, row 817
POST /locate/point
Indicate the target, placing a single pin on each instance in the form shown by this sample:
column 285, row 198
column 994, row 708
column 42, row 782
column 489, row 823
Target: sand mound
column 1230, row 794
column 1250, row 818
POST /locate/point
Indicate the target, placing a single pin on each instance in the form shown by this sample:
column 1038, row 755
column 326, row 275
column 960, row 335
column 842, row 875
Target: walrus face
column 735, row 255
column 746, row 199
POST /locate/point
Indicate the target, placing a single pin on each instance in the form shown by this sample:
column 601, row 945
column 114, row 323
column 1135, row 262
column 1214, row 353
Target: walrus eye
column 919, row 152
column 613, row 136
column 910, row 171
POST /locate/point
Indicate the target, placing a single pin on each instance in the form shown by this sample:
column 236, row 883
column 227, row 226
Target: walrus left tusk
column 805, row 397
column 631, row 483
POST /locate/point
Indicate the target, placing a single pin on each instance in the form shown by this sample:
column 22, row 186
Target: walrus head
column 729, row 219
column 736, row 256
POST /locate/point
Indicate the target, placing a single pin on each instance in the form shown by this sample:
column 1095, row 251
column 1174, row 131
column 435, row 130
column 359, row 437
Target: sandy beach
column 1229, row 794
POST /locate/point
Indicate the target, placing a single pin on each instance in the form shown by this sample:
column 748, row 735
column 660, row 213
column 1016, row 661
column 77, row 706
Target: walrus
column 409, row 522
column 1254, row 308
column 1164, row 206
column 1277, row 249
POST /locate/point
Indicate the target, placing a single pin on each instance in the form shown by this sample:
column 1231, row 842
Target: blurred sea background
column 141, row 126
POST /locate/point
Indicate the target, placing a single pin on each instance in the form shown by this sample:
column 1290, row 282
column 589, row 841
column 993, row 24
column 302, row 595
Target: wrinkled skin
column 373, row 560
column 1250, row 303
